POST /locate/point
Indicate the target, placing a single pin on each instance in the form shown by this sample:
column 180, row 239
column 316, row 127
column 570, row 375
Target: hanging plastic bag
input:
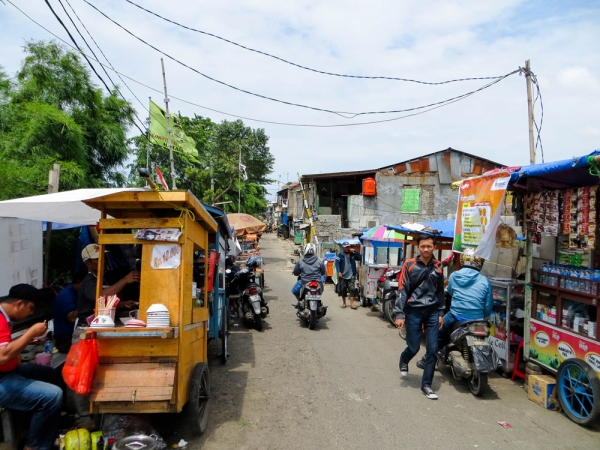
column 81, row 362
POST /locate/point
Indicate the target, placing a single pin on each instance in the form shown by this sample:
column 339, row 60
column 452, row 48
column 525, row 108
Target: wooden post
column 169, row 130
column 530, row 113
column 53, row 177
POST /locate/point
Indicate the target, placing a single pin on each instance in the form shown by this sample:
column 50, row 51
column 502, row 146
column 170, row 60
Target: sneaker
column 421, row 363
column 428, row 392
column 403, row 369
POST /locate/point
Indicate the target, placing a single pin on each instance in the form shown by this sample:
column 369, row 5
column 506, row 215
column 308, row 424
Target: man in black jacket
column 420, row 305
column 345, row 264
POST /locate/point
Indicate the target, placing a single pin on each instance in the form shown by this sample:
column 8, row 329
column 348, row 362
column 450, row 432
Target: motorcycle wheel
column 312, row 321
column 478, row 383
column 579, row 391
column 258, row 326
column 388, row 312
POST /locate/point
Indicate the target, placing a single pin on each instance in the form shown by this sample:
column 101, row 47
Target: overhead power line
column 301, row 125
column 345, row 114
column 305, row 67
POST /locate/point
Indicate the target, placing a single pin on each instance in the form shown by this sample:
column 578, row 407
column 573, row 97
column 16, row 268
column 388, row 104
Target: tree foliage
column 214, row 175
column 52, row 113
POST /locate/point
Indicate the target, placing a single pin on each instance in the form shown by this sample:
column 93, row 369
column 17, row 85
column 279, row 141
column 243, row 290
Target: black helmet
column 252, row 262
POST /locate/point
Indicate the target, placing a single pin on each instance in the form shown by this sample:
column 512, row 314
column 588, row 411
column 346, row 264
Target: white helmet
column 468, row 258
column 309, row 249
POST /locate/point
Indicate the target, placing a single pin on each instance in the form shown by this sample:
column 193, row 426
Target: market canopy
column 245, row 224
column 66, row 207
column 382, row 235
column 439, row 229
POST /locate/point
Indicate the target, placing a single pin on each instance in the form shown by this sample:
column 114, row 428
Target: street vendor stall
column 559, row 202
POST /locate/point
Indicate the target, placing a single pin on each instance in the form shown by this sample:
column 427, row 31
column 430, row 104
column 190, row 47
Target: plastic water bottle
column 48, row 344
column 596, row 278
column 544, row 276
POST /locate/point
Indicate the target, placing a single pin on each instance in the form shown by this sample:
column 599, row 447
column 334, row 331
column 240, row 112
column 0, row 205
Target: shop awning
column 63, row 207
column 574, row 172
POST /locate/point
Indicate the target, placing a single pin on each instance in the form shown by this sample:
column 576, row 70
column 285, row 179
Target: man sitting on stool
column 27, row 387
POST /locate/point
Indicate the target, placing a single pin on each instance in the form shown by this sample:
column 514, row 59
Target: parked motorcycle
column 252, row 302
column 470, row 355
column 386, row 293
column 310, row 306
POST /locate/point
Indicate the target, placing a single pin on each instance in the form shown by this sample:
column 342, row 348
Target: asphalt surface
column 339, row 386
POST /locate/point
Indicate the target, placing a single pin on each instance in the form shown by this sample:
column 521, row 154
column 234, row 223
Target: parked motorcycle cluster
column 249, row 301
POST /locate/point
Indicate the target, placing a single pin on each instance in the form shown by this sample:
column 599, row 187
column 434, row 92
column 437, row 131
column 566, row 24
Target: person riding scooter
column 471, row 295
column 309, row 268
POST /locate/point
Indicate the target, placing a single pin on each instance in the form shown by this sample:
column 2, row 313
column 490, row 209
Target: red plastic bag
column 81, row 362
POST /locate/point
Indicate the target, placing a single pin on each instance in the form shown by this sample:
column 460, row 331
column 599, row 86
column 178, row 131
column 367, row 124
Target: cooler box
column 540, row 389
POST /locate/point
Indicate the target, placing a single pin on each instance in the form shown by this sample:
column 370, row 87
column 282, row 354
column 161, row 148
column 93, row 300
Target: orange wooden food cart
column 157, row 370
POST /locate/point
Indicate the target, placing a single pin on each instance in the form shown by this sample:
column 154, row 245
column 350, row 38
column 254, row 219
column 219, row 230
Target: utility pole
column 313, row 231
column 530, row 112
column 169, row 130
column 239, row 179
column 53, row 177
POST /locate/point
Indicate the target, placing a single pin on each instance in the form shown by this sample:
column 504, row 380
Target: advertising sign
column 550, row 346
column 480, row 204
column 166, row 256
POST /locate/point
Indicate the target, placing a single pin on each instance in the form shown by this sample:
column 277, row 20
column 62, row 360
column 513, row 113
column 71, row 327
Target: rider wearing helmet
column 471, row 295
column 252, row 263
column 309, row 268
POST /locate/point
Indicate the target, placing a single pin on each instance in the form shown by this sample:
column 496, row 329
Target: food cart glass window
column 369, row 255
column 394, row 255
column 546, row 307
column 380, row 255
column 576, row 315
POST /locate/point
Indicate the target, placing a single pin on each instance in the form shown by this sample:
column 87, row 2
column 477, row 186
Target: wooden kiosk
column 157, row 370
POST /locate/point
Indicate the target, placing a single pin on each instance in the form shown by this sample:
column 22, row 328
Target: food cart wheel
column 198, row 399
column 225, row 333
column 579, row 391
column 388, row 312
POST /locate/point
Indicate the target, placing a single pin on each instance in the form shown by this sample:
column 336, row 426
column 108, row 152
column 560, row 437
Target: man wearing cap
column 27, row 387
column 345, row 264
column 86, row 300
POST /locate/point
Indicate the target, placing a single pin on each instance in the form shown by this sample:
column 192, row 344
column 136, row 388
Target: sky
column 424, row 40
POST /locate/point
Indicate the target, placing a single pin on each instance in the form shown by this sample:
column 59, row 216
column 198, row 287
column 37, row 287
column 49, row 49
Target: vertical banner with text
column 480, row 203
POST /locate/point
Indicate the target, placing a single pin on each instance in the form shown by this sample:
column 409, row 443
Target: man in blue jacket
column 345, row 264
column 471, row 295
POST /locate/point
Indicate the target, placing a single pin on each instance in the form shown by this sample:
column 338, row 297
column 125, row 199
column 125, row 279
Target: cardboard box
column 540, row 389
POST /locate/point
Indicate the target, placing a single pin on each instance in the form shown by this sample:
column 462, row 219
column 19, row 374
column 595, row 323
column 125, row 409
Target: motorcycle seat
column 458, row 324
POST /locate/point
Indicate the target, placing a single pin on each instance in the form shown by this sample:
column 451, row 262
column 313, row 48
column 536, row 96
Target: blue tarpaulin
column 563, row 174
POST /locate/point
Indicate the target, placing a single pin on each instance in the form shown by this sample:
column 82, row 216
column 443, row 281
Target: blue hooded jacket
column 471, row 294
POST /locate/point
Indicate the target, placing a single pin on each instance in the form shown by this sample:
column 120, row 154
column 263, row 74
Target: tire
column 402, row 332
column 478, row 383
column 198, row 399
column 579, row 391
column 363, row 301
column 388, row 312
column 225, row 334
column 312, row 321
column 258, row 325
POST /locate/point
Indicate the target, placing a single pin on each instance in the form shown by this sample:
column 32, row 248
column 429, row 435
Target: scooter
column 254, row 307
column 386, row 293
column 470, row 355
column 310, row 306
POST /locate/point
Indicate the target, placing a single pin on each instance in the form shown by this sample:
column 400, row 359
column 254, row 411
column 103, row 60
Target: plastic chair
column 516, row 372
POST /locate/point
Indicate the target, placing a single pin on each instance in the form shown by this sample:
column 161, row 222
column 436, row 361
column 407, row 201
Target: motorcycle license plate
column 479, row 343
column 313, row 305
column 394, row 283
column 312, row 297
column 255, row 298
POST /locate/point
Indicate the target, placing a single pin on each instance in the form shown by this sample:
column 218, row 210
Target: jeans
column 36, row 389
column 414, row 320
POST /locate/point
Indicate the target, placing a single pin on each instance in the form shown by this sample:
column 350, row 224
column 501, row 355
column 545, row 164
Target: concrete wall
column 328, row 227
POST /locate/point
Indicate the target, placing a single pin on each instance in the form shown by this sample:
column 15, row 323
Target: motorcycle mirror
column 293, row 261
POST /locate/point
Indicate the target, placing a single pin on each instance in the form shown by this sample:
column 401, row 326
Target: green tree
column 51, row 112
column 213, row 176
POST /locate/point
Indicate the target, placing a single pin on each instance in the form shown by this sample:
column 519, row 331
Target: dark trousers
column 415, row 320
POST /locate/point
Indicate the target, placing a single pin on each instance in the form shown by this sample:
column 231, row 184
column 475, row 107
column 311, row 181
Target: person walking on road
column 420, row 305
column 345, row 264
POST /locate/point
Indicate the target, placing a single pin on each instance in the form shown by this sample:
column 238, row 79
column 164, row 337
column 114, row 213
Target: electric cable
column 344, row 114
column 271, row 122
column 305, row 67
column 538, row 128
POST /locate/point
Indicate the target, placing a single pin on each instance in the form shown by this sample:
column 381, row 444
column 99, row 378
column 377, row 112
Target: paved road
column 338, row 387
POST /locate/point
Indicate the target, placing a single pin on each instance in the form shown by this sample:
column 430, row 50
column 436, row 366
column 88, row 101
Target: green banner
column 411, row 201
column 158, row 131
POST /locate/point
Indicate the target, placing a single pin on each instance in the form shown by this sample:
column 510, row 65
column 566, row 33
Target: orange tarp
column 245, row 224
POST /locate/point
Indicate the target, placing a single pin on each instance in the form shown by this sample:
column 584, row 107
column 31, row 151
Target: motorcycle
column 386, row 293
column 252, row 302
column 470, row 355
column 310, row 306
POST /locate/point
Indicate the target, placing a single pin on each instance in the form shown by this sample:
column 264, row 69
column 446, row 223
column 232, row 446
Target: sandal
column 354, row 307
column 343, row 306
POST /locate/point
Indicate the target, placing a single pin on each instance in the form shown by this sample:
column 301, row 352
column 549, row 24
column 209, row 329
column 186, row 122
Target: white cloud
column 578, row 78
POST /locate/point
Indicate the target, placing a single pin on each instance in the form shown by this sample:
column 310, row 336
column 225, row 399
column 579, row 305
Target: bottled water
column 544, row 276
